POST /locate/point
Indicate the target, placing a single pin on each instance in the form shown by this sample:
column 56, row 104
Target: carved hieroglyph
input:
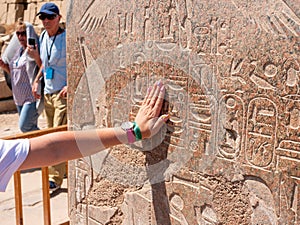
column 230, row 153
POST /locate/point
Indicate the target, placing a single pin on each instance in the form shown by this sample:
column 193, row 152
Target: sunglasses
column 21, row 33
column 47, row 16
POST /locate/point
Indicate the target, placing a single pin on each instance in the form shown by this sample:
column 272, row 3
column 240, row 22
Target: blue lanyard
column 49, row 53
column 21, row 52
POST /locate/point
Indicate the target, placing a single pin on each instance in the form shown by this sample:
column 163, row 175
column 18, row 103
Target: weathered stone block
column 15, row 1
column 5, row 91
column 7, row 105
column 30, row 13
column 3, row 12
column 230, row 153
column 15, row 11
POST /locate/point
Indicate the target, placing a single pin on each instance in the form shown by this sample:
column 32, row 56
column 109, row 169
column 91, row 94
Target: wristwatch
column 128, row 127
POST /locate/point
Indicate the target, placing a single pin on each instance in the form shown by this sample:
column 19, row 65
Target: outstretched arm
column 58, row 147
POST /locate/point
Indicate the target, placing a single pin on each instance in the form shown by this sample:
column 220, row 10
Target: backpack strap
column 42, row 36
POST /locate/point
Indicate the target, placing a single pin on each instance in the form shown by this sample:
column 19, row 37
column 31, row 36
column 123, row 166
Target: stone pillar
column 30, row 12
column 11, row 10
column 230, row 153
column 3, row 12
column 15, row 10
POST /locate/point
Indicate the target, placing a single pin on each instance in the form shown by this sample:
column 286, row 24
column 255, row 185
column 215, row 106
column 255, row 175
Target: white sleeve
column 12, row 155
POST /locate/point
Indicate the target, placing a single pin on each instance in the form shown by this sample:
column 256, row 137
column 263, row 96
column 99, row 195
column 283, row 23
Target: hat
column 49, row 8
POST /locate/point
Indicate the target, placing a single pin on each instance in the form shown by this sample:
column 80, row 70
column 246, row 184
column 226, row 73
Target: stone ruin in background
column 11, row 10
column 230, row 153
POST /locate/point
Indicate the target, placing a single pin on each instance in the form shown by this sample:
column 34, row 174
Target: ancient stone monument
column 230, row 153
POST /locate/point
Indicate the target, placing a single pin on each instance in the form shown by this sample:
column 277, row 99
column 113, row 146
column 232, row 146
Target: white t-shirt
column 12, row 155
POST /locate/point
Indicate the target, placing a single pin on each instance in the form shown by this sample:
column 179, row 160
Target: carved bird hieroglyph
column 271, row 16
column 95, row 15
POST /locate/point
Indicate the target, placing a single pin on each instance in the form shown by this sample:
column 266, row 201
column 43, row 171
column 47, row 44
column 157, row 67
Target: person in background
column 54, row 70
column 22, row 69
column 62, row 146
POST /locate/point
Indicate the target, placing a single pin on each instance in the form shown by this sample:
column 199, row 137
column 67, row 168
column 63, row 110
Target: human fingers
column 147, row 94
column 29, row 48
column 155, row 94
column 159, row 123
column 62, row 94
column 36, row 95
column 159, row 100
column 150, row 98
column 147, row 115
column 34, row 91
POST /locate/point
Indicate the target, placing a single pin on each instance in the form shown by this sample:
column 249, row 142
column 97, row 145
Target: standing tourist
column 22, row 69
column 53, row 56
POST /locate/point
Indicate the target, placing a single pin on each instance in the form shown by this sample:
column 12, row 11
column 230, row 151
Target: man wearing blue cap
column 54, row 71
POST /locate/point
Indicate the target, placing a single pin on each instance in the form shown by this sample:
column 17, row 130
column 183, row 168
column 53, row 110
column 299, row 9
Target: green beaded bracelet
column 137, row 132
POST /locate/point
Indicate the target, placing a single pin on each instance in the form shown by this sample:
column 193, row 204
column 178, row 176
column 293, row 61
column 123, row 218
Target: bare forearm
column 58, row 147
column 54, row 148
column 40, row 73
column 38, row 61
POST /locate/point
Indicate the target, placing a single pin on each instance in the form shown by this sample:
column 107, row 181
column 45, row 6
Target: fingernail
column 149, row 90
column 165, row 117
column 162, row 88
column 159, row 83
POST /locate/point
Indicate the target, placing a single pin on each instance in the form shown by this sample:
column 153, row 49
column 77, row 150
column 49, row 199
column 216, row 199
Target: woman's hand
column 33, row 52
column 2, row 63
column 4, row 66
column 147, row 117
column 35, row 88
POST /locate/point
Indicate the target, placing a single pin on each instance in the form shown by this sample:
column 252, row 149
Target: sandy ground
column 9, row 123
column 31, row 187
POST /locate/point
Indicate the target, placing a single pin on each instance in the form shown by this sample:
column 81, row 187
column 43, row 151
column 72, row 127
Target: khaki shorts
column 55, row 109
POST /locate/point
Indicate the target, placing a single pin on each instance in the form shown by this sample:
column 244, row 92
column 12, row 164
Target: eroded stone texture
column 230, row 153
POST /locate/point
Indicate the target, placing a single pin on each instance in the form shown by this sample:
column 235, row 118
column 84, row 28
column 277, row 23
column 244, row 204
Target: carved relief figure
column 93, row 18
column 230, row 144
column 291, row 69
column 274, row 17
column 257, row 77
column 262, row 202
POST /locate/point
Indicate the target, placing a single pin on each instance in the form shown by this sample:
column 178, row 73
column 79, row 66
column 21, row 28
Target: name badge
column 49, row 73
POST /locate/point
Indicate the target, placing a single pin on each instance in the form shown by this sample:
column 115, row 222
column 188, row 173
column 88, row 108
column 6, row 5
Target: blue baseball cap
column 49, row 8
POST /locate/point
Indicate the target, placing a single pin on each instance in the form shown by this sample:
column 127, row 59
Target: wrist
column 128, row 127
column 137, row 132
column 133, row 131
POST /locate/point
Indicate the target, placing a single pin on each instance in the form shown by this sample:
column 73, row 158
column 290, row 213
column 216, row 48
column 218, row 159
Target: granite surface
column 230, row 153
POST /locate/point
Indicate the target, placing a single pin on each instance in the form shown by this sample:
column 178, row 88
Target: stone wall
column 230, row 153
